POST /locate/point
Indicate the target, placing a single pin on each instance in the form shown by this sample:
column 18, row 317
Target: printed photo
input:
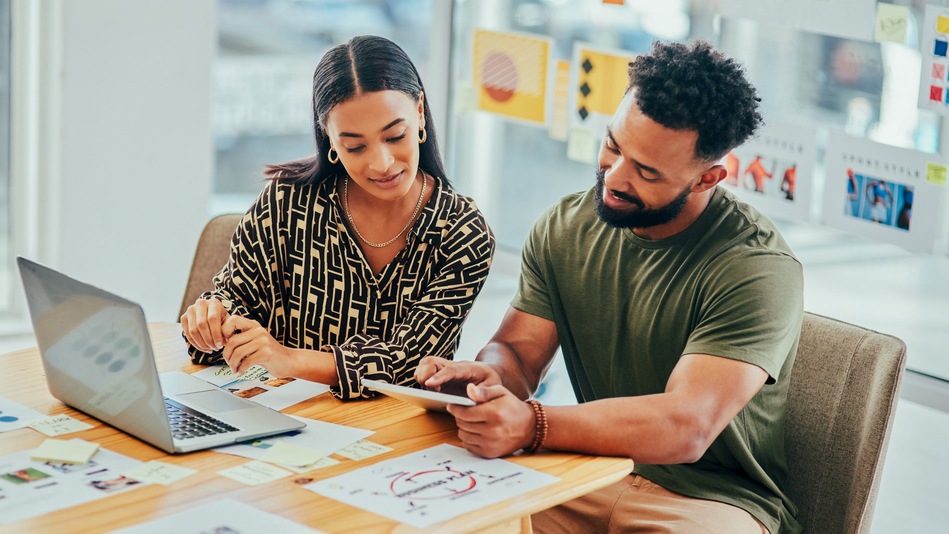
column 767, row 176
column 113, row 484
column 24, row 476
column 877, row 200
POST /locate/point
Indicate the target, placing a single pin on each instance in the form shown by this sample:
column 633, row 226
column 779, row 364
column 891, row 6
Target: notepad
column 73, row 451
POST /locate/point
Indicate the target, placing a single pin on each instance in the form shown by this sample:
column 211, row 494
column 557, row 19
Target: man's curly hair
column 694, row 87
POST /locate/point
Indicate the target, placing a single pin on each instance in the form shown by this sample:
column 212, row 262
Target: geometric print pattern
column 295, row 267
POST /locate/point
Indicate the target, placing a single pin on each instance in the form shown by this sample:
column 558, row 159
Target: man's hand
column 499, row 425
column 248, row 343
column 202, row 323
column 439, row 374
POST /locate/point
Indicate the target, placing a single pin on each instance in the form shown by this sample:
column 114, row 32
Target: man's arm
column 517, row 356
column 703, row 394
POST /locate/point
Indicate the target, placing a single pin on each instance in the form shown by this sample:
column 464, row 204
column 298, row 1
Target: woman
column 357, row 261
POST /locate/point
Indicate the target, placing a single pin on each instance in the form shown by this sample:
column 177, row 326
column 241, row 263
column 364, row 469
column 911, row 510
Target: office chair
column 210, row 256
column 841, row 401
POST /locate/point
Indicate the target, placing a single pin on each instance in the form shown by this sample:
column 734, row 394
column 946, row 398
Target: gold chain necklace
column 349, row 215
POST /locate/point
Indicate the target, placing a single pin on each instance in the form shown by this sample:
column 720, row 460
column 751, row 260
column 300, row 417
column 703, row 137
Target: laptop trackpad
column 212, row 401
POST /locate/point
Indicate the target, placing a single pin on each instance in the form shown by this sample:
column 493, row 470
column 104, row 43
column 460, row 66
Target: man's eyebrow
column 639, row 164
column 384, row 128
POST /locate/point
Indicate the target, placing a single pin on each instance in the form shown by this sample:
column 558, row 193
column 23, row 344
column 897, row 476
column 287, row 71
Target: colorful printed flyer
column 510, row 74
column 31, row 487
column 934, row 73
column 261, row 387
column 432, row 485
column 599, row 81
column 883, row 192
column 775, row 170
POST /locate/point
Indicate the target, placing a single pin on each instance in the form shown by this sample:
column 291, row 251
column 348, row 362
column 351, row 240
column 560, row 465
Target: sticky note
column 939, row 47
column 892, row 21
column 58, row 425
column 284, row 453
column 942, row 24
column 936, row 174
column 325, row 461
column 74, row 451
column 254, row 473
column 156, row 472
column 363, row 449
column 465, row 98
column 935, row 93
column 938, row 71
column 581, row 145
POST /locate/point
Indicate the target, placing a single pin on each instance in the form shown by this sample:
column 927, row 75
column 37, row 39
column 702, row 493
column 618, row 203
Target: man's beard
column 638, row 216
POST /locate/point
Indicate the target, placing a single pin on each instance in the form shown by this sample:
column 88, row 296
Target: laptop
column 98, row 358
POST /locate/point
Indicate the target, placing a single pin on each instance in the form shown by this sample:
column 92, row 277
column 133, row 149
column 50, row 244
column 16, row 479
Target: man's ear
column 710, row 178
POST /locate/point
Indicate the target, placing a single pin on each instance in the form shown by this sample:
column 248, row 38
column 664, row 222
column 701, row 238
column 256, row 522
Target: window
column 7, row 279
column 262, row 80
column 515, row 171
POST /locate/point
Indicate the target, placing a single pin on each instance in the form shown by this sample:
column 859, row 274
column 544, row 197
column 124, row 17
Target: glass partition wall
column 867, row 89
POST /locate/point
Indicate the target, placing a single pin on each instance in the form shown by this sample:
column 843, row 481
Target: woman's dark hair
column 364, row 64
column 694, row 87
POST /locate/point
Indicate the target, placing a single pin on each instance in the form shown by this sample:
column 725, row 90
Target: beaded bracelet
column 540, row 427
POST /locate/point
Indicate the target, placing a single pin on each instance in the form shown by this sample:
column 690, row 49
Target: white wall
column 125, row 156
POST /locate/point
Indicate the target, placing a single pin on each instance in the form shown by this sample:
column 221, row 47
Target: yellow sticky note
column 581, row 145
column 284, row 453
column 363, row 449
column 936, row 174
column 464, row 98
column 254, row 472
column 892, row 21
column 74, row 451
column 942, row 24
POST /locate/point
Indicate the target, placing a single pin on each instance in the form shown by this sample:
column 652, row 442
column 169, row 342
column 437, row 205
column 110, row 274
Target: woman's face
column 377, row 138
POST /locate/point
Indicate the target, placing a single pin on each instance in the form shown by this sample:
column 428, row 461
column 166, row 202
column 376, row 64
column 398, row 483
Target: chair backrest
column 841, row 401
column 210, row 256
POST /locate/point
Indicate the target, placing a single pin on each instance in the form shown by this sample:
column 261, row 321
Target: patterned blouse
column 296, row 269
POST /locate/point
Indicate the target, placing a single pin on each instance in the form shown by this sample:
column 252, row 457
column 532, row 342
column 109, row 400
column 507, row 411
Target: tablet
column 430, row 400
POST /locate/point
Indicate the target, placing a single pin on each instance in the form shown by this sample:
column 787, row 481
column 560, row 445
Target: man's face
column 639, row 216
column 647, row 172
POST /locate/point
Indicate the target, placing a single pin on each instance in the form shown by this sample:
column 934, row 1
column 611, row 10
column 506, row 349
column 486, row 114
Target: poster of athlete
column 884, row 192
column 775, row 170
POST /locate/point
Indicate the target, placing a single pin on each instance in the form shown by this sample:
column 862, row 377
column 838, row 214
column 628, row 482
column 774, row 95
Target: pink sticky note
column 939, row 71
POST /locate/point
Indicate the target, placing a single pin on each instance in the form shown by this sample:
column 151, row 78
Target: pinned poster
column 882, row 192
column 560, row 114
column 850, row 19
column 510, row 74
column 775, row 170
column 599, row 82
column 934, row 74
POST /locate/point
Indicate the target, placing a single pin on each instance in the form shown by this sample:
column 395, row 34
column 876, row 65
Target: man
column 677, row 308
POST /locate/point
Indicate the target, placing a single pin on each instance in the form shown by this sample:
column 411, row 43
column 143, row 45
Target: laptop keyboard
column 188, row 423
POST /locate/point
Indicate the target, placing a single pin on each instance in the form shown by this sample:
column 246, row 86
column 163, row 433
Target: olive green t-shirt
column 627, row 309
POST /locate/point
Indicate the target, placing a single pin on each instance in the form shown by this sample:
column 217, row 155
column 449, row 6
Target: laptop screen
column 96, row 352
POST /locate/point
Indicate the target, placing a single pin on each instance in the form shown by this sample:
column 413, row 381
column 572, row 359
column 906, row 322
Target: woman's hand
column 248, row 343
column 202, row 324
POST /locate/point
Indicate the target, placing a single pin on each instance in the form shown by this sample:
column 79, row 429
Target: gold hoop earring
column 330, row 154
column 423, row 136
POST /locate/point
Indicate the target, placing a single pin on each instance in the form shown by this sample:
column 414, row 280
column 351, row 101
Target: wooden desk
column 401, row 426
